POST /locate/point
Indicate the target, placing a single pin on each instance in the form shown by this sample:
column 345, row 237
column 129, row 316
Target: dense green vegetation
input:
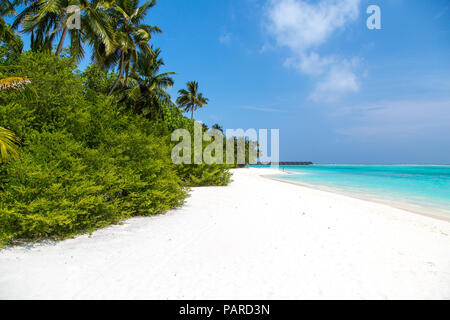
column 84, row 149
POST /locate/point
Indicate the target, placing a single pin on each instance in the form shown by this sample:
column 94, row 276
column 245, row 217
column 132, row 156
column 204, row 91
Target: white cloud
column 311, row 63
column 338, row 80
column 303, row 27
column 225, row 38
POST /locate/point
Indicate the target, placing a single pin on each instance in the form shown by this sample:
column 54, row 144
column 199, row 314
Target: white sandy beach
column 255, row 239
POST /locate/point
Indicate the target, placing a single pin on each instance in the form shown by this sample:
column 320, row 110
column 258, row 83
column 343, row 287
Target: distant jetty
column 286, row 163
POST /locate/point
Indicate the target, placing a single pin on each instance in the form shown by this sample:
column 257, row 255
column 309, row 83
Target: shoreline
column 362, row 196
column 257, row 238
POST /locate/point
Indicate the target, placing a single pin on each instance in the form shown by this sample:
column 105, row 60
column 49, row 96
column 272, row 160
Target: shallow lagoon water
column 424, row 189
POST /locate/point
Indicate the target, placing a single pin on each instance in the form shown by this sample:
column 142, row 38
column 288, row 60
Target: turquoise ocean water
column 424, row 189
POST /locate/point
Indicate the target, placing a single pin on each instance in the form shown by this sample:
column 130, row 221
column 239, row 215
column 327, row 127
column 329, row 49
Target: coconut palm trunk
column 122, row 62
column 61, row 42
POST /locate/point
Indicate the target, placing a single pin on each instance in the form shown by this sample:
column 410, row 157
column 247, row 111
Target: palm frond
column 141, row 12
column 190, row 100
column 9, row 145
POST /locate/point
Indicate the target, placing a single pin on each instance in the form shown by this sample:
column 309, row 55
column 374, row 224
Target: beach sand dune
column 255, row 239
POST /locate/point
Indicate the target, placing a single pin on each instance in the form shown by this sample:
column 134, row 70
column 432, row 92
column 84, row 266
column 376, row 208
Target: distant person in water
column 283, row 169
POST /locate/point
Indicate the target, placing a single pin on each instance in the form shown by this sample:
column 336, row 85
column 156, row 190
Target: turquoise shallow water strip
column 424, row 189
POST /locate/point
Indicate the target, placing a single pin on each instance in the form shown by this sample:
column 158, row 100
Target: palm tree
column 130, row 35
column 7, row 34
column 146, row 87
column 45, row 19
column 191, row 99
column 42, row 36
column 95, row 27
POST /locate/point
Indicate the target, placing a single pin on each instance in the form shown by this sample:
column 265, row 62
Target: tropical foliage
column 145, row 89
column 9, row 145
column 7, row 35
column 95, row 144
column 131, row 36
column 46, row 19
column 9, row 142
column 85, row 162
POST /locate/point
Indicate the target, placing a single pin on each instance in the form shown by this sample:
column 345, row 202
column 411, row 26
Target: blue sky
column 338, row 92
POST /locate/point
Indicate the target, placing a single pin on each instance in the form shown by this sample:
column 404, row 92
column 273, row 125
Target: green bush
column 54, row 190
column 58, row 99
column 85, row 163
column 86, row 160
column 60, row 188
column 201, row 175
